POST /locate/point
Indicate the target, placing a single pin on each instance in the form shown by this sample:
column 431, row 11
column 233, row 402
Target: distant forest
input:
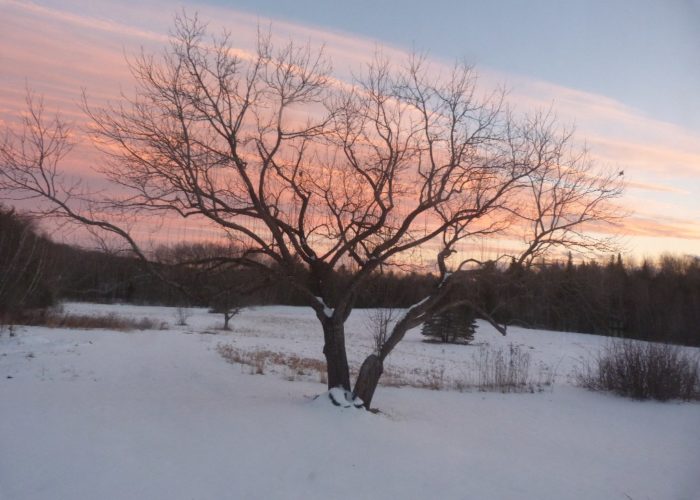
column 652, row 301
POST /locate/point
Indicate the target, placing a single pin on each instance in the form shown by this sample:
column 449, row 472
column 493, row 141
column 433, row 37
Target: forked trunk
column 336, row 357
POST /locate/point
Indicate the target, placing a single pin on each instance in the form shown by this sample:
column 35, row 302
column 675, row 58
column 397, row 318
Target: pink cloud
column 61, row 47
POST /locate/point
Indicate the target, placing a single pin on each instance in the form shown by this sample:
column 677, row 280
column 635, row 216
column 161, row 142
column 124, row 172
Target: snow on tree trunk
column 344, row 399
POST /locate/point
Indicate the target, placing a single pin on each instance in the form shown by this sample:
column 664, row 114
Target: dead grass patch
column 296, row 367
column 52, row 319
column 493, row 369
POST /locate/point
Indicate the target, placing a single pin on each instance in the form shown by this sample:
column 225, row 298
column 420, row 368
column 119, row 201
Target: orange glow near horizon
column 661, row 161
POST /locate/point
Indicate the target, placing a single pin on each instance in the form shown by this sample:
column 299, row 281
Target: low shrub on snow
column 182, row 314
column 643, row 370
column 505, row 369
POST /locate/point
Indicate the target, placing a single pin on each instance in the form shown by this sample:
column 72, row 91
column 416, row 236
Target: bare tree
column 550, row 206
column 306, row 175
column 378, row 322
column 209, row 274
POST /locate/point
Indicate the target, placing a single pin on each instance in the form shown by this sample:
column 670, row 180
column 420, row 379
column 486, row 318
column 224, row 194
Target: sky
column 626, row 73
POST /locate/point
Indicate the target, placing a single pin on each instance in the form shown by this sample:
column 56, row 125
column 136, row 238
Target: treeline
column 650, row 301
column 23, row 264
column 653, row 301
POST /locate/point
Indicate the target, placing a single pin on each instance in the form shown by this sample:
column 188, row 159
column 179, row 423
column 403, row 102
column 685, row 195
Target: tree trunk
column 368, row 379
column 373, row 367
column 336, row 357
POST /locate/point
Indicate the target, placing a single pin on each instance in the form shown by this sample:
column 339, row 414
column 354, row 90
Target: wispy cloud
column 60, row 47
column 87, row 22
column 659, row 188
column 671, row 227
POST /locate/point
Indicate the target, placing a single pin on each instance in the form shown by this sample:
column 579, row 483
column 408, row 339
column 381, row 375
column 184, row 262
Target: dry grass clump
column 493, row 369
column 300, row 367
column 296, row 366
column 53, row 319
column 432, row 377
column 503, row 369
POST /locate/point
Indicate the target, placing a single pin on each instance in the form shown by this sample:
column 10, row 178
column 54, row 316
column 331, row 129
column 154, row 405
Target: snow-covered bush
column 643, row 370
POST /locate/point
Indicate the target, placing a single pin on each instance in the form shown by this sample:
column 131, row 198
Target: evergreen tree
column 454, row 325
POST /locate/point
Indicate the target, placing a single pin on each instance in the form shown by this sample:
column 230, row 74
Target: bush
column 182, row 314
column 643, row 370
column 504, row 370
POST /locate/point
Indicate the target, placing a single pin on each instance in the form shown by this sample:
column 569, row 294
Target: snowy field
column 159, row 414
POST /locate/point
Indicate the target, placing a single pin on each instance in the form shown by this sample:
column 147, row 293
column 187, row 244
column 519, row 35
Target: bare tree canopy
column 305, row 173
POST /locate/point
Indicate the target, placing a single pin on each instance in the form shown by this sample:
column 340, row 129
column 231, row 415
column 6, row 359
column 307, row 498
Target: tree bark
column 336, row 356
column 368, row 379
column 373, row 366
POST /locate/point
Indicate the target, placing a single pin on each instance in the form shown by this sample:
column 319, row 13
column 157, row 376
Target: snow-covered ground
column 161, row 415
